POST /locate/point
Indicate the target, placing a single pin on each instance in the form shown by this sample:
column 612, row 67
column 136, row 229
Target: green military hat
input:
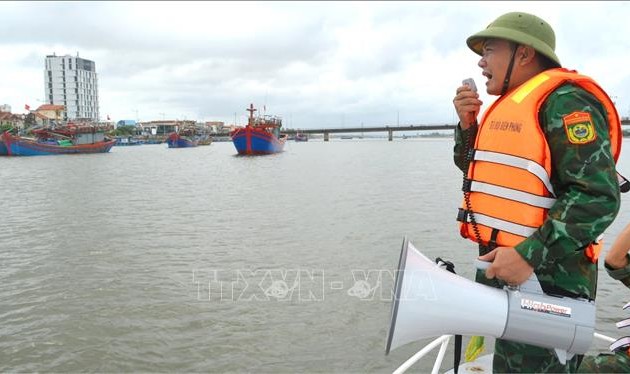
column 522, row 28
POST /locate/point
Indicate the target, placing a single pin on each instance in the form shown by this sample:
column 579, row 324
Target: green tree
column 125, row 131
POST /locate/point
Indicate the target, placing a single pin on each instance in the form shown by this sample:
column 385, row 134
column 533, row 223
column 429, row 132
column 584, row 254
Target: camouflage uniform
column 619, row 362
column 584, row 179
column 606, row 363
column 622, row 275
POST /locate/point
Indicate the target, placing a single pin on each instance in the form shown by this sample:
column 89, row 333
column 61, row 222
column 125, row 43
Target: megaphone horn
column 430, row 301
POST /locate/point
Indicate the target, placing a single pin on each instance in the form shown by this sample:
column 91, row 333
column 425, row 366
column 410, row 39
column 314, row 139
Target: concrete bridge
column 389, row 129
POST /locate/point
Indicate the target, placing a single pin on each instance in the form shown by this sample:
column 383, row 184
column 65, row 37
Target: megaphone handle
column 530, row 285
column 482, row 265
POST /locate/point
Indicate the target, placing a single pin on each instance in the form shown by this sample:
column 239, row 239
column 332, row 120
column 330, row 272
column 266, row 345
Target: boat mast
column 251, row 111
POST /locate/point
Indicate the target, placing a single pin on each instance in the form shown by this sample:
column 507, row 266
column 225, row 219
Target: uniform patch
column 579, row 127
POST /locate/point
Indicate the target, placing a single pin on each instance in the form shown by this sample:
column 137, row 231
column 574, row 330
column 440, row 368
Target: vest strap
column 502, row 225
column 511, row 194
column 517, row 162
column 493, row 239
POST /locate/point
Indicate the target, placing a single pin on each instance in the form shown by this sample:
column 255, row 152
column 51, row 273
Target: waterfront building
column 5, row 108
column 49, row 114
column 72, row 82
column 125, row 122
column 216, row 126
column 163, row 127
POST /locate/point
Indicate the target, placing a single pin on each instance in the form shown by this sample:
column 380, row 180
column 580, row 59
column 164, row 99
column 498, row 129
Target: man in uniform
column 540, row 184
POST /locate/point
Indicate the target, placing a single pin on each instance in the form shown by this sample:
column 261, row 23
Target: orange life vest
column 508, row 181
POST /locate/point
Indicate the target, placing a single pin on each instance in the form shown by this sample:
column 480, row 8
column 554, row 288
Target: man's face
column 494, row 62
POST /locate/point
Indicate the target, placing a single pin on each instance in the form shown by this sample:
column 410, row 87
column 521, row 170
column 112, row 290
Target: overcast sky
column 316, row 64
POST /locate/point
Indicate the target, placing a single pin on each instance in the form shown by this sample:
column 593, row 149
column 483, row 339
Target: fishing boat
column 205, row 140
column 188, row 136
column 127, row 141
column 185, row 138
column 261, row 136
column 301, row 137
column 66, row 139
column 3, row 147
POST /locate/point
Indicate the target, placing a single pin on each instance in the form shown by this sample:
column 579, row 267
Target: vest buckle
column 462, row 215
column 470, row 155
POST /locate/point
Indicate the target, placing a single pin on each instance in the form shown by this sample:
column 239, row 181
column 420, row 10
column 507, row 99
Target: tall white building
column 72, row 82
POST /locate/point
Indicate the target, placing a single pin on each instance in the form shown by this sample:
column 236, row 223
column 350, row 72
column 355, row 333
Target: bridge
column 389, row 129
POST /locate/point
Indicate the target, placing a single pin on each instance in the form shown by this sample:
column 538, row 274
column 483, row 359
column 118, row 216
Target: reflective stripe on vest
column 499, row 224
column 515, row 195
column 517, row 162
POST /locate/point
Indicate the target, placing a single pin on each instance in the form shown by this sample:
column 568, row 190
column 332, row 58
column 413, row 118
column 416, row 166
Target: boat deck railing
column 443, row 341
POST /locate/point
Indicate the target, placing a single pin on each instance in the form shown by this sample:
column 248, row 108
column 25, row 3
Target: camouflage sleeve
column 622, row 275
column 583, row 178
column 462, row 137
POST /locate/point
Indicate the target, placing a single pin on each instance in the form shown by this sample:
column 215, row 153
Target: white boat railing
column 443, row 341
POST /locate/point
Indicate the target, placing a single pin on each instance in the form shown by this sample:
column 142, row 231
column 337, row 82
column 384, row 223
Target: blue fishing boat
column 182, row 139
column 261, row 136
column 301, row 137
column 67, row 139
column 127, row 141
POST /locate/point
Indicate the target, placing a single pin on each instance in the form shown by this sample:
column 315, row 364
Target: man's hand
column 507, row 265
column 467, row 106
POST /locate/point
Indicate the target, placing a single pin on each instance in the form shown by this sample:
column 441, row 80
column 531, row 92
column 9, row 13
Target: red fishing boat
column 261, row 135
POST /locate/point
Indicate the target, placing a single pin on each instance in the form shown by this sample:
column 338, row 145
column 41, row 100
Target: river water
column 198, row 260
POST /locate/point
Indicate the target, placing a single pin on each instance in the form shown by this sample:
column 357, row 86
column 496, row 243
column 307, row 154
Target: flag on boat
column 27, row 107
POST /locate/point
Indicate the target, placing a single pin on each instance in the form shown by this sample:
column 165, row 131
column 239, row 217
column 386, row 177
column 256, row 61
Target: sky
column 315, row 64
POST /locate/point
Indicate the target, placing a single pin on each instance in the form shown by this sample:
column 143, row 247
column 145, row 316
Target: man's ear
column 525, row 54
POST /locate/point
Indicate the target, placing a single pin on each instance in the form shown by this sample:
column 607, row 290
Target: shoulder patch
column 579, row 127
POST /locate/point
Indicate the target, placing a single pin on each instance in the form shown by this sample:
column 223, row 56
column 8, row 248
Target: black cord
column 447, row 264
column 457, row 350
column 508, row 73
column 468, row 147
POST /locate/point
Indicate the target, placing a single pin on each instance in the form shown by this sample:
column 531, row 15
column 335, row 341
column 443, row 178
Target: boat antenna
column 265, row 104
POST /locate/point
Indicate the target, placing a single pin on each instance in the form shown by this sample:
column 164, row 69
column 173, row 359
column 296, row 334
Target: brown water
column 164, row 260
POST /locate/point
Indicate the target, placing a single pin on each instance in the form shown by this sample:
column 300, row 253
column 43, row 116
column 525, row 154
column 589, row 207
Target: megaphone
column 430, row 301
